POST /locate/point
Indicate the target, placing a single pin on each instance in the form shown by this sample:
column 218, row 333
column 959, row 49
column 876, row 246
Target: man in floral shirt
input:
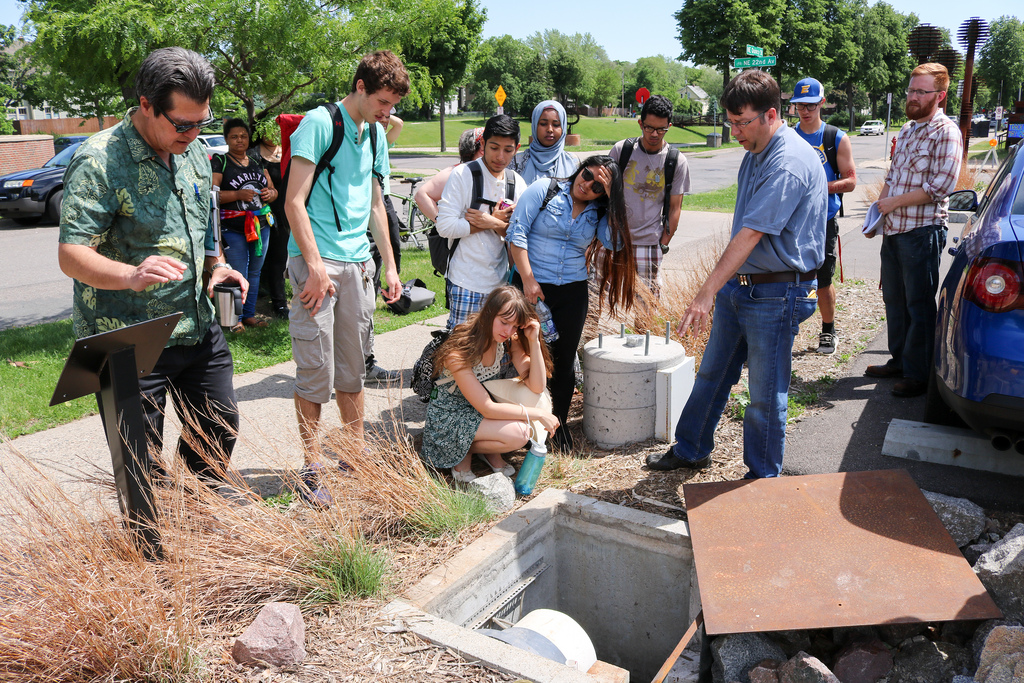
column 133, row 235
column 924, row 171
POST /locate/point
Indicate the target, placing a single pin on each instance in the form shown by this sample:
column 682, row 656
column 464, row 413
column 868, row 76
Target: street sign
column 500, row 96
column 999, row 113
column 746, row 62
column 642, row 95
column 755, row 51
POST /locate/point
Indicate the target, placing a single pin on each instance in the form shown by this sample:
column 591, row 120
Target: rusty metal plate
column 826, row 550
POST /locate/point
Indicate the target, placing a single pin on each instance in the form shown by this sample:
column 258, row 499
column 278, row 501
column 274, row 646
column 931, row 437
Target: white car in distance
column 873, row 128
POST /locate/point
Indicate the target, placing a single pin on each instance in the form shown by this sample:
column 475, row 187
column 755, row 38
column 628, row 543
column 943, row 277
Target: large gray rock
column 803, row 668
column 924, row 661
column 1000, row 642
column 963, row 679
column 963, row 519
column 735, row 654
column 276, row 638
column 863, row 662
column 497, row 490
column 1001, row 570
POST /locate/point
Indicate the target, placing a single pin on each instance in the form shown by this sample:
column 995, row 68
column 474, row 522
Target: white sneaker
column 827, row 342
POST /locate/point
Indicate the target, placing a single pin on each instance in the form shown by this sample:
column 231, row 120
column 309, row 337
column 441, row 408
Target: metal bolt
column 622, row 330
column 647, row 342
column 668, row 330
column 600, row 341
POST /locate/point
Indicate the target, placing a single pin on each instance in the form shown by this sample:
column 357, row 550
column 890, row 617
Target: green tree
column 1001, row 65
column 714, row 32
column 445, row 51
column 885, row 64
column 607, row 86
column 264, row 54
column 517, row 68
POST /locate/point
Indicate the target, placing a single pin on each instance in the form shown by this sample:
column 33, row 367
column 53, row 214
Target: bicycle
column 416, row 225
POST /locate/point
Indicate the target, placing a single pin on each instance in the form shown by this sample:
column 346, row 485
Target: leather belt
column 783, row 276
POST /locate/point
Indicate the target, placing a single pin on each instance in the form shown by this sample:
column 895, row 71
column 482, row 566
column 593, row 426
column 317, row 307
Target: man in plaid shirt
column 913, row 200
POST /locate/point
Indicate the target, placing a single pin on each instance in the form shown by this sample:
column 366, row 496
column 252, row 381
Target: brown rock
column 803, row 668
column 863, row 662
column 1001, row 641
column 275, row 638
column 766, row 671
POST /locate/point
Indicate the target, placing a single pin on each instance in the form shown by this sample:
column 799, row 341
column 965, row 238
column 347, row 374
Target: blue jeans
column 242, row 257
column 753, row 324
column 910, row 280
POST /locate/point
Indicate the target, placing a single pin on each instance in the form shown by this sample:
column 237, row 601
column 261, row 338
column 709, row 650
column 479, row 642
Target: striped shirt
column 927, row 157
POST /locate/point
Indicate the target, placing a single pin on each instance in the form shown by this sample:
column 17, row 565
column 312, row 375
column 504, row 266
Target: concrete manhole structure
column 627, row 577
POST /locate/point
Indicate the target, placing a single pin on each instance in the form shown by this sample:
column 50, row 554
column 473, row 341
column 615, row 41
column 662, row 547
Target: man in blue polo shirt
column 329, row 263
column 761, row 288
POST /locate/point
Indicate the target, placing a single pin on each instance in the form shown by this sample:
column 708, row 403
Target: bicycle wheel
column 418, row 227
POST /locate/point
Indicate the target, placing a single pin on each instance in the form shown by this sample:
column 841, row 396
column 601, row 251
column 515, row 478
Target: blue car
column 979, row 339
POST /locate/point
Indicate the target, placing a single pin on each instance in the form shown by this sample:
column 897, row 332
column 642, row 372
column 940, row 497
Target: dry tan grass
column 677, row 292
column 81, row 603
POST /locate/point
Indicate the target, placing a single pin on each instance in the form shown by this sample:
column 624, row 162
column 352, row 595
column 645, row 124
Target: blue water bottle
column 530, row 471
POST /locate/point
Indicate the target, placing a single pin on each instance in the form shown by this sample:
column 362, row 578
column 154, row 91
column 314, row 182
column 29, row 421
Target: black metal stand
column 110, row 364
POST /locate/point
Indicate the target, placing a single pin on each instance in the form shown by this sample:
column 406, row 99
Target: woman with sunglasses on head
column 554, row 234
column 546, row 156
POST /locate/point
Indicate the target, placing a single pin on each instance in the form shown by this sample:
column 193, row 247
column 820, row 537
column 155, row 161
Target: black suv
column 28, row 196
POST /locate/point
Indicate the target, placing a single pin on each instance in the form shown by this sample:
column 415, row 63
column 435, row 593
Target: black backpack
column 440, row 251
column 326, row 161
column 423, row 368
column 671, row 161
column 828, row 141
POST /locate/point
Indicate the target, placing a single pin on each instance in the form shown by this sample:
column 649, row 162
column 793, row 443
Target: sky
column 627, row 31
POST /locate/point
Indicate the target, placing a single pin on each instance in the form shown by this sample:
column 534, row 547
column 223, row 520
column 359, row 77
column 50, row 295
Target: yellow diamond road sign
column 500, row 96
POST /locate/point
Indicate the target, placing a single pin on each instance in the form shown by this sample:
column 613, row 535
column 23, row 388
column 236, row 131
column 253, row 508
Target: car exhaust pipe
column 1001, row 442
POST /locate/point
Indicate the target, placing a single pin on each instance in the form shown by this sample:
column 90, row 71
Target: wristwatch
column 215, row 266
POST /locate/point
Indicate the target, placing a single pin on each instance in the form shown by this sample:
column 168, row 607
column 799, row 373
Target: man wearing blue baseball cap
column 836, row 154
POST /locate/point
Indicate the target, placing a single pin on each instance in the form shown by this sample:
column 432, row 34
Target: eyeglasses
column 807, row 107
column 651, row 130
column 186, row 127
column 916, row 92
column 595, row 186
column 744, row 124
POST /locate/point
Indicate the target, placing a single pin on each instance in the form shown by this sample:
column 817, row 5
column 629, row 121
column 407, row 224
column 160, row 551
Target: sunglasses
column 186, row 127
column 595, row 185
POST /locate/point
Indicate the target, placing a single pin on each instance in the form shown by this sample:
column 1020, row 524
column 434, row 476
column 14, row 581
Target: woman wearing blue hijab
column 546, row 156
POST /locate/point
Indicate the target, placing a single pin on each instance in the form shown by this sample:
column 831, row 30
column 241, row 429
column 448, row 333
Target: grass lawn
column 597, row 133
column 723, row 200
column 33, row 357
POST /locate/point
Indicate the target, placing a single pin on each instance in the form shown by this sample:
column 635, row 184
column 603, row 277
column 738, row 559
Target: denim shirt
column 555, row 241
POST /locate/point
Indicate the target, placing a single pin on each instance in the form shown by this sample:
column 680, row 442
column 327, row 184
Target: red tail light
column 994, row 285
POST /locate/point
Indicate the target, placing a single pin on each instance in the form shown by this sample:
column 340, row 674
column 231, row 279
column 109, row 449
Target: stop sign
column 642, row 95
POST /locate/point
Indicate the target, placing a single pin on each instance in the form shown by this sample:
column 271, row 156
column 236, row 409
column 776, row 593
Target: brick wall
column 72, row 126
column 22, row 152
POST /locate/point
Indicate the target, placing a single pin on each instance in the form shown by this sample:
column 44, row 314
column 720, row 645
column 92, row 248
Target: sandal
column 506, row 469
column 255, row 322
column 463, row 477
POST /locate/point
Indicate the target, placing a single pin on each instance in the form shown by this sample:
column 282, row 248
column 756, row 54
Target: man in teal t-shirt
column 329, row 261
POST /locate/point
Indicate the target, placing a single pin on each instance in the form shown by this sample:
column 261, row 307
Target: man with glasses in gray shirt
column 644, row 182
column 762, row 287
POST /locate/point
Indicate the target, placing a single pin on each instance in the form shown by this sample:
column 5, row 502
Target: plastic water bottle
column 530, row 471
column 547, row 325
